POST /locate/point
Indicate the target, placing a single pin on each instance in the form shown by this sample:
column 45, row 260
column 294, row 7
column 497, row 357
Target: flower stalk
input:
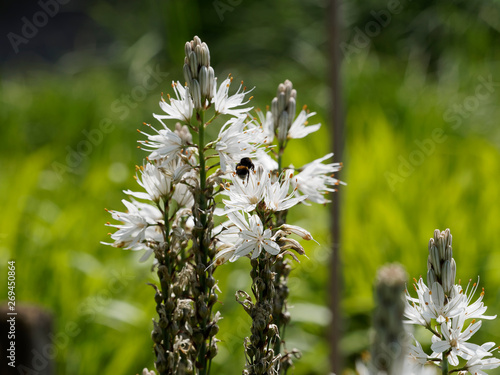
column 174, row 217
column 444, row 365
column 260, row 356
column 390, row 342
column 447, row 310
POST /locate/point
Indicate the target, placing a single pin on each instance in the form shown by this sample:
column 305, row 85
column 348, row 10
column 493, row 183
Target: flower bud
column 188, row 77
column 213, row 330
column 156, row 334
column 213, row 298
column 158, row 297
column 212, row 351
column 282, row 127
column 196, row 93
column 202, row 310
column 197, row 69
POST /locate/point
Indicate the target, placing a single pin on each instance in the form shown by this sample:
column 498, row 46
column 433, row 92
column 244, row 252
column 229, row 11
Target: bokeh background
column 421, row 87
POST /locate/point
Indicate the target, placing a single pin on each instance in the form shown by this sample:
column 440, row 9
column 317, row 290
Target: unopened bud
column 214, row 329
column 212, row 351
column 188, row 77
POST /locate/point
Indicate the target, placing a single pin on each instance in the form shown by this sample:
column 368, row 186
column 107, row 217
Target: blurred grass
column 51, row 224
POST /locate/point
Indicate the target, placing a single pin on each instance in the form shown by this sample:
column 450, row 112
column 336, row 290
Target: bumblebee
column 243, row 168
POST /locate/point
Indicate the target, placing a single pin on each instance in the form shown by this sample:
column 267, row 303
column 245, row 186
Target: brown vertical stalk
column 337, row 119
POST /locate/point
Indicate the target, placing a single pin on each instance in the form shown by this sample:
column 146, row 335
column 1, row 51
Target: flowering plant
column 449, row 312
column 188, row 183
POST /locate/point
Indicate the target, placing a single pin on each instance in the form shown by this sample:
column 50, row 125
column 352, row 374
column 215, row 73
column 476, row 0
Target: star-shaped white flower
column 180, row 108
column 140, row 225
column 245, row 194
column 237, row 139
column 277, row 197
column 164, row 144
column 225, row 104
column 298, row 129
column 253, row 237
column 432, row 304
column 475, row 310
column 316, row 179
column 476, row 364
column 158, row 179
column 267, row 122
column 455, row 338
column 156, row 183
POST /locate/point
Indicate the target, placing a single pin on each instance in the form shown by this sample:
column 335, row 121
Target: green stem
column 280, row 157
column 444, row 364
column 280, row 219
column 167, row 231
column 434, row 332
column 168, row 264
column 204, row 370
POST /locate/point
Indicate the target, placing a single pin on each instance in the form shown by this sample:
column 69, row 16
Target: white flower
column 477, row 309
column 253, row 237
column 156, row 183
column 227, row 235
column 277, row 197
column 315, row 179
column 158, row 180
column 456, row 339
column 245, row 194
column 180, row 108
column 225, row 252
column 164, row 144
column 432, row 304
column 182, row 193
column 267, row 122
column 140, row 225
column 237, row 140
column 225, row 104
column 299, row 128
column 476, row 363
column 417, row 361
column 263, row 158
column 417, row 355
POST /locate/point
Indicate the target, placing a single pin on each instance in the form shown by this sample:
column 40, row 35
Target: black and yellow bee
column 243, row 168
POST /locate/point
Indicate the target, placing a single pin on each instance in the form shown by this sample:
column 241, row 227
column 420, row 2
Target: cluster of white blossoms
column 169, row 176
column 177, row 214
column 451, row 314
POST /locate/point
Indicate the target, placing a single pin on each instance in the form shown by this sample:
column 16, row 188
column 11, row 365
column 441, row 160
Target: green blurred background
column 421, row 86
